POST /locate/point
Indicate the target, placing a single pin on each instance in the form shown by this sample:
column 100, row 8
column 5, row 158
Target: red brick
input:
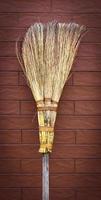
column 65, row 107
column 10, row 194
column 88, row 165
column 31, row 166
column 11, row 34
column 19, row 151
column 93, row 194
column 25, row 6
column 9, row 136
column 8, row 78
column 15, row 122
column 90, row 20
column 9, row 64
column 88, row 107
column 81, row 93
column 93, row 36
column 64, row 136
column 75, row 181
column 30, row 193
column 88, row 137
column 22, row 20
column 10, row 166
column 87, row 64
column 55, row 193
column 89, row 49
column 87, row 78
column 15, row 93
column 76, row 6
column 30, row 137
column 20, row 181
column 9, row 107
column 76, row 151
column 61, row 166
column 78, row 122
column 62, row 193
column 28, row 107
column 7, row 49
column 22, row 79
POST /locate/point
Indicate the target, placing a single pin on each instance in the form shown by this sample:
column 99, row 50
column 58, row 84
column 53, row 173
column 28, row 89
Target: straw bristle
column 48, row 52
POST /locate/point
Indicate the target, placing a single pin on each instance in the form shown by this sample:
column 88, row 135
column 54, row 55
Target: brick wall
column 75, row 164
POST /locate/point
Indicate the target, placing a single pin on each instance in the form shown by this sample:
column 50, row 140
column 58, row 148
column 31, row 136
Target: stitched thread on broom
column 47, row 108
column 46, row 128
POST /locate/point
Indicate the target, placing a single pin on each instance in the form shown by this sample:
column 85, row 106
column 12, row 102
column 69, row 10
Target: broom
column 47, row 53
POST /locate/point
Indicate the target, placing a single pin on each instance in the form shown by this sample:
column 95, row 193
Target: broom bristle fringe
column 48, row 52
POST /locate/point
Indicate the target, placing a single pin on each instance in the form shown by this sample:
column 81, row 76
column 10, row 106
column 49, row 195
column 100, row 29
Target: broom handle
column 45, row 176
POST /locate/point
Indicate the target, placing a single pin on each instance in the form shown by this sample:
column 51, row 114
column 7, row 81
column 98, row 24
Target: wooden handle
column 45, row 176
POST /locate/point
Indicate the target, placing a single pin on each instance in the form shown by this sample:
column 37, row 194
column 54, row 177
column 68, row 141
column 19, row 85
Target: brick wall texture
column 75, row 164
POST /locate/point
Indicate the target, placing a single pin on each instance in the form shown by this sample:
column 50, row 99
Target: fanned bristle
column 48, row 52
